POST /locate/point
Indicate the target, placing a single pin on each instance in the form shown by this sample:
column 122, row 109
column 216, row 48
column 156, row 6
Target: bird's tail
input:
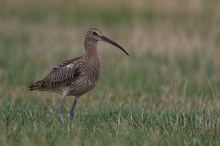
column 37, row 85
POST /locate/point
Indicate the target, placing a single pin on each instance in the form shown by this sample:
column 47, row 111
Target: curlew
column 77, row 76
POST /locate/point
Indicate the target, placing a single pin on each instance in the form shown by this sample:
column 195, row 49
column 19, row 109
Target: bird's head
column 96, row 35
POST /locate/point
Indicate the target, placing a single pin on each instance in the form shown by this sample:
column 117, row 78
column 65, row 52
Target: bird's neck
column 91, row 48
column 93, row 60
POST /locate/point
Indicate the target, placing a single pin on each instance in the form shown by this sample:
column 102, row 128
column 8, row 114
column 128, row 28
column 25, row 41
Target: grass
column 124, row 125
column 165, row 93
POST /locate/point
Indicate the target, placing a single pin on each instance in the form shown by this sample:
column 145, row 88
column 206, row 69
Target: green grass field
column 167, row 92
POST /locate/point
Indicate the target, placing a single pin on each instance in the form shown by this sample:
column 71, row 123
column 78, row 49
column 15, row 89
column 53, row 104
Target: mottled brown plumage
column 76, row 76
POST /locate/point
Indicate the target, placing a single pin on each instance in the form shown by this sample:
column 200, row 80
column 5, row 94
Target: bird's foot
column 61, row 114
column 61, row 118
column 72, row 117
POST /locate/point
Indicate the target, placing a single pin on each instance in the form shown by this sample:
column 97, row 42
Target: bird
column 77, row 76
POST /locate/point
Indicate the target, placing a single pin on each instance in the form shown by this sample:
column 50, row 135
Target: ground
column 167, row 92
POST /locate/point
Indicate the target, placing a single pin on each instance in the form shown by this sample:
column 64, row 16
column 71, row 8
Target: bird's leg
column 73, row 107
column 61, row 108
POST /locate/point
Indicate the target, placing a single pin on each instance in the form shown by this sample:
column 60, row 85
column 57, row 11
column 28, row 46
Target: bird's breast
column 88, row 78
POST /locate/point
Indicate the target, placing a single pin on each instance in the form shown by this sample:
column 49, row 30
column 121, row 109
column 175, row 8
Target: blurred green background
column 165, row 93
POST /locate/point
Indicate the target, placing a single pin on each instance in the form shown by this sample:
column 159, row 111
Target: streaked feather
column 61, row 75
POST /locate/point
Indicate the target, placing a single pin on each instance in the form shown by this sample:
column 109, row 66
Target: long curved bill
column 105, row 39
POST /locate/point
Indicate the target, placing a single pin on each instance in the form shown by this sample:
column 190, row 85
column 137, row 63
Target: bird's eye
column 94, row 33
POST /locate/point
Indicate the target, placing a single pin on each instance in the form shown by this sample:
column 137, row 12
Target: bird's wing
column 61, row 75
